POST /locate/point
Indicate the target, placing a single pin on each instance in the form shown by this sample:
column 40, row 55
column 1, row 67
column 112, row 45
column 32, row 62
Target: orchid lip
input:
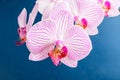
column 107, row 6
column 22, row 35
column 60, row 51
column 18, row 43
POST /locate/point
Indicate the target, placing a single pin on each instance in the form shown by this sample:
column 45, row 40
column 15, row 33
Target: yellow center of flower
column 56, row 52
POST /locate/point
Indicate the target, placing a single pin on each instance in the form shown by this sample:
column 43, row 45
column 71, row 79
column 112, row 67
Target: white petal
column 37, row 57
column 73, row 6
column 22, row 18
column 32, row 16
column 54, row 8
column 69, row 62
column 43, row 4
column 48, row 11
column 93, row 31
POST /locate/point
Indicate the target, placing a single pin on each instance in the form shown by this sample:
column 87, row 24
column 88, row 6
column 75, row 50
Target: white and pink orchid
column 86, row 14
column 58, row 39
column 23, row 26
column 110, row 7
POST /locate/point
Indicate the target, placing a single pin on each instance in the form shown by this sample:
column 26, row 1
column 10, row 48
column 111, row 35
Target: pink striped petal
column 22, row 18
column 69, row 62
column 62, row 19
column 41, row 37
column 40, row 56
column 78, row 43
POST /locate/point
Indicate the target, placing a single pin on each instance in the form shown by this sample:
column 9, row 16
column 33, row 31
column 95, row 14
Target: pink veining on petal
column 40, row 40
column 78, row 43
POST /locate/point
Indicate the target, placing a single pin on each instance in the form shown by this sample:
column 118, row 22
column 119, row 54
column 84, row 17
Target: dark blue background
column 103, row 63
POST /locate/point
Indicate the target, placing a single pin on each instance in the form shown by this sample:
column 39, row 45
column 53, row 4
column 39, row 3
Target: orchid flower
column 87, row 14
column 110, row 7
column 58, row 39
column 23, row 26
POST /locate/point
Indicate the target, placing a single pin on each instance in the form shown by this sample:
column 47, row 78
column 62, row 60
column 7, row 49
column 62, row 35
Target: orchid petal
column 40, row 56
column 73, row 6
column 48, row 11
column 62, row 19
column 78, row 43
column 53, row 8
column 93, row 31
column 22, row 18
column 32, row 16
column 37, row 57
column 43, row 4
column 67, row 61
column 40, row 37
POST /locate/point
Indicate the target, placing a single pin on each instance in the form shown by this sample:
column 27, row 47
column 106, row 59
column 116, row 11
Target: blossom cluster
column 63, row 34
